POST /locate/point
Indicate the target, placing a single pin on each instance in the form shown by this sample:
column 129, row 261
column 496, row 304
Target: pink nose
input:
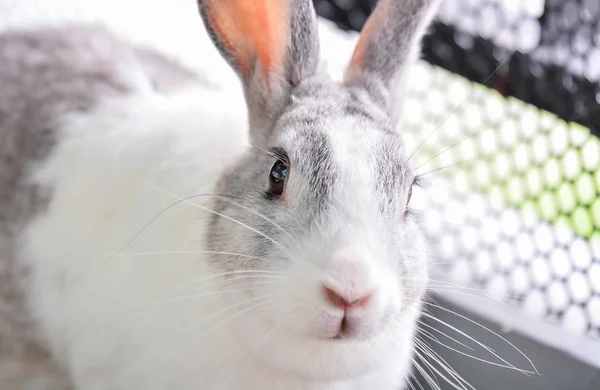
column 338, row 300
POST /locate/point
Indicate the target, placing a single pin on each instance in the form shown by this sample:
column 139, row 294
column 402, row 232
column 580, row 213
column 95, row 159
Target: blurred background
column 503, row 116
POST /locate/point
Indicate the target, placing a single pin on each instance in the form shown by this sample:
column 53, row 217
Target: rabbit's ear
column 388, row 45
column 271, row 44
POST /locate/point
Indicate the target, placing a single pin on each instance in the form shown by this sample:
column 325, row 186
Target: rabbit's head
column 314, row 222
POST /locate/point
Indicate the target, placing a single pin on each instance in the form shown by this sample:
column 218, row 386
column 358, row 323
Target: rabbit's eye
column 277, row 177
column 409, row 196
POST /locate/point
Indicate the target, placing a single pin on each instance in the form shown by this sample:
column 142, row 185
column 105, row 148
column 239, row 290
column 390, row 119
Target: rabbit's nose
column 345, row 301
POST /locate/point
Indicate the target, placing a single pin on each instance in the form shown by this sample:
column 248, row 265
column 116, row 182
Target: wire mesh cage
column 503, row 114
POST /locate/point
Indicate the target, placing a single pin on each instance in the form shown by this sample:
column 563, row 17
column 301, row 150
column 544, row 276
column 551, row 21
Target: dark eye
column 277, row 176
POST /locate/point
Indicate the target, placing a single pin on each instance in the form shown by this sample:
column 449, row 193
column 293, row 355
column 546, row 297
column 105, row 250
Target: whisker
column 449, row 286
column 448, row 367
column 474, row 357
column 265, row 218
column 430, row 371
column 410, row 385
column 157, row 216
column 445, row 366
column 227, row 357
column 474, row 292
column 428, row 378
column 246, row 310
column 490, row 331
column 459, row 385
column 272, row 331
column 225, row 274
column 193, row 252
column 442, row 333
column 205, row 294
column 477, row 294
column 460, row 225
column 230, row 199
column 284, row 249
column 182, row 298
column 474, row 340
column 468, row 337
column 460, row 106
column 263, row 299
column 270, row 153
column 461, row 162
column 457, row 143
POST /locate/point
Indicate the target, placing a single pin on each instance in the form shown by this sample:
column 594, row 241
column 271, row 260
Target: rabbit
column 159, row 231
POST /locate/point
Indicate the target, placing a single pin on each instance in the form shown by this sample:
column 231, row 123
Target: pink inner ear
column 252, row 30
column 375, row 22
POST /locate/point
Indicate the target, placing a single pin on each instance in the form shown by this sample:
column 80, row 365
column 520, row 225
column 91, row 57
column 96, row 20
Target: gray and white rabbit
column 158, row 232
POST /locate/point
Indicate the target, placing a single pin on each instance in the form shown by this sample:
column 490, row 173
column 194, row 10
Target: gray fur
column 303, row 51
column 45, row 73
column 267, row 95
column 311, row 154
column 391, row 49
column 301, row 123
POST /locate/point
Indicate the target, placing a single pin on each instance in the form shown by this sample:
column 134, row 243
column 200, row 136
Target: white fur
column 123, row 321
column 118, row 322
column 105, row 175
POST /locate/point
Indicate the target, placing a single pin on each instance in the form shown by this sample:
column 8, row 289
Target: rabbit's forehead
column 349, row 151
column 369, row 158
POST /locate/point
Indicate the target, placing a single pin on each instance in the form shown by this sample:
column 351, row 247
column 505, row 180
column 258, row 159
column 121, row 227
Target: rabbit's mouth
column 348, row 354
column 350, row 327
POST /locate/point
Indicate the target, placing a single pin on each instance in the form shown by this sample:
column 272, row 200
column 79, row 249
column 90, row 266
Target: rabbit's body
column 85, row 118
column 144, row 246
column 106, row 151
